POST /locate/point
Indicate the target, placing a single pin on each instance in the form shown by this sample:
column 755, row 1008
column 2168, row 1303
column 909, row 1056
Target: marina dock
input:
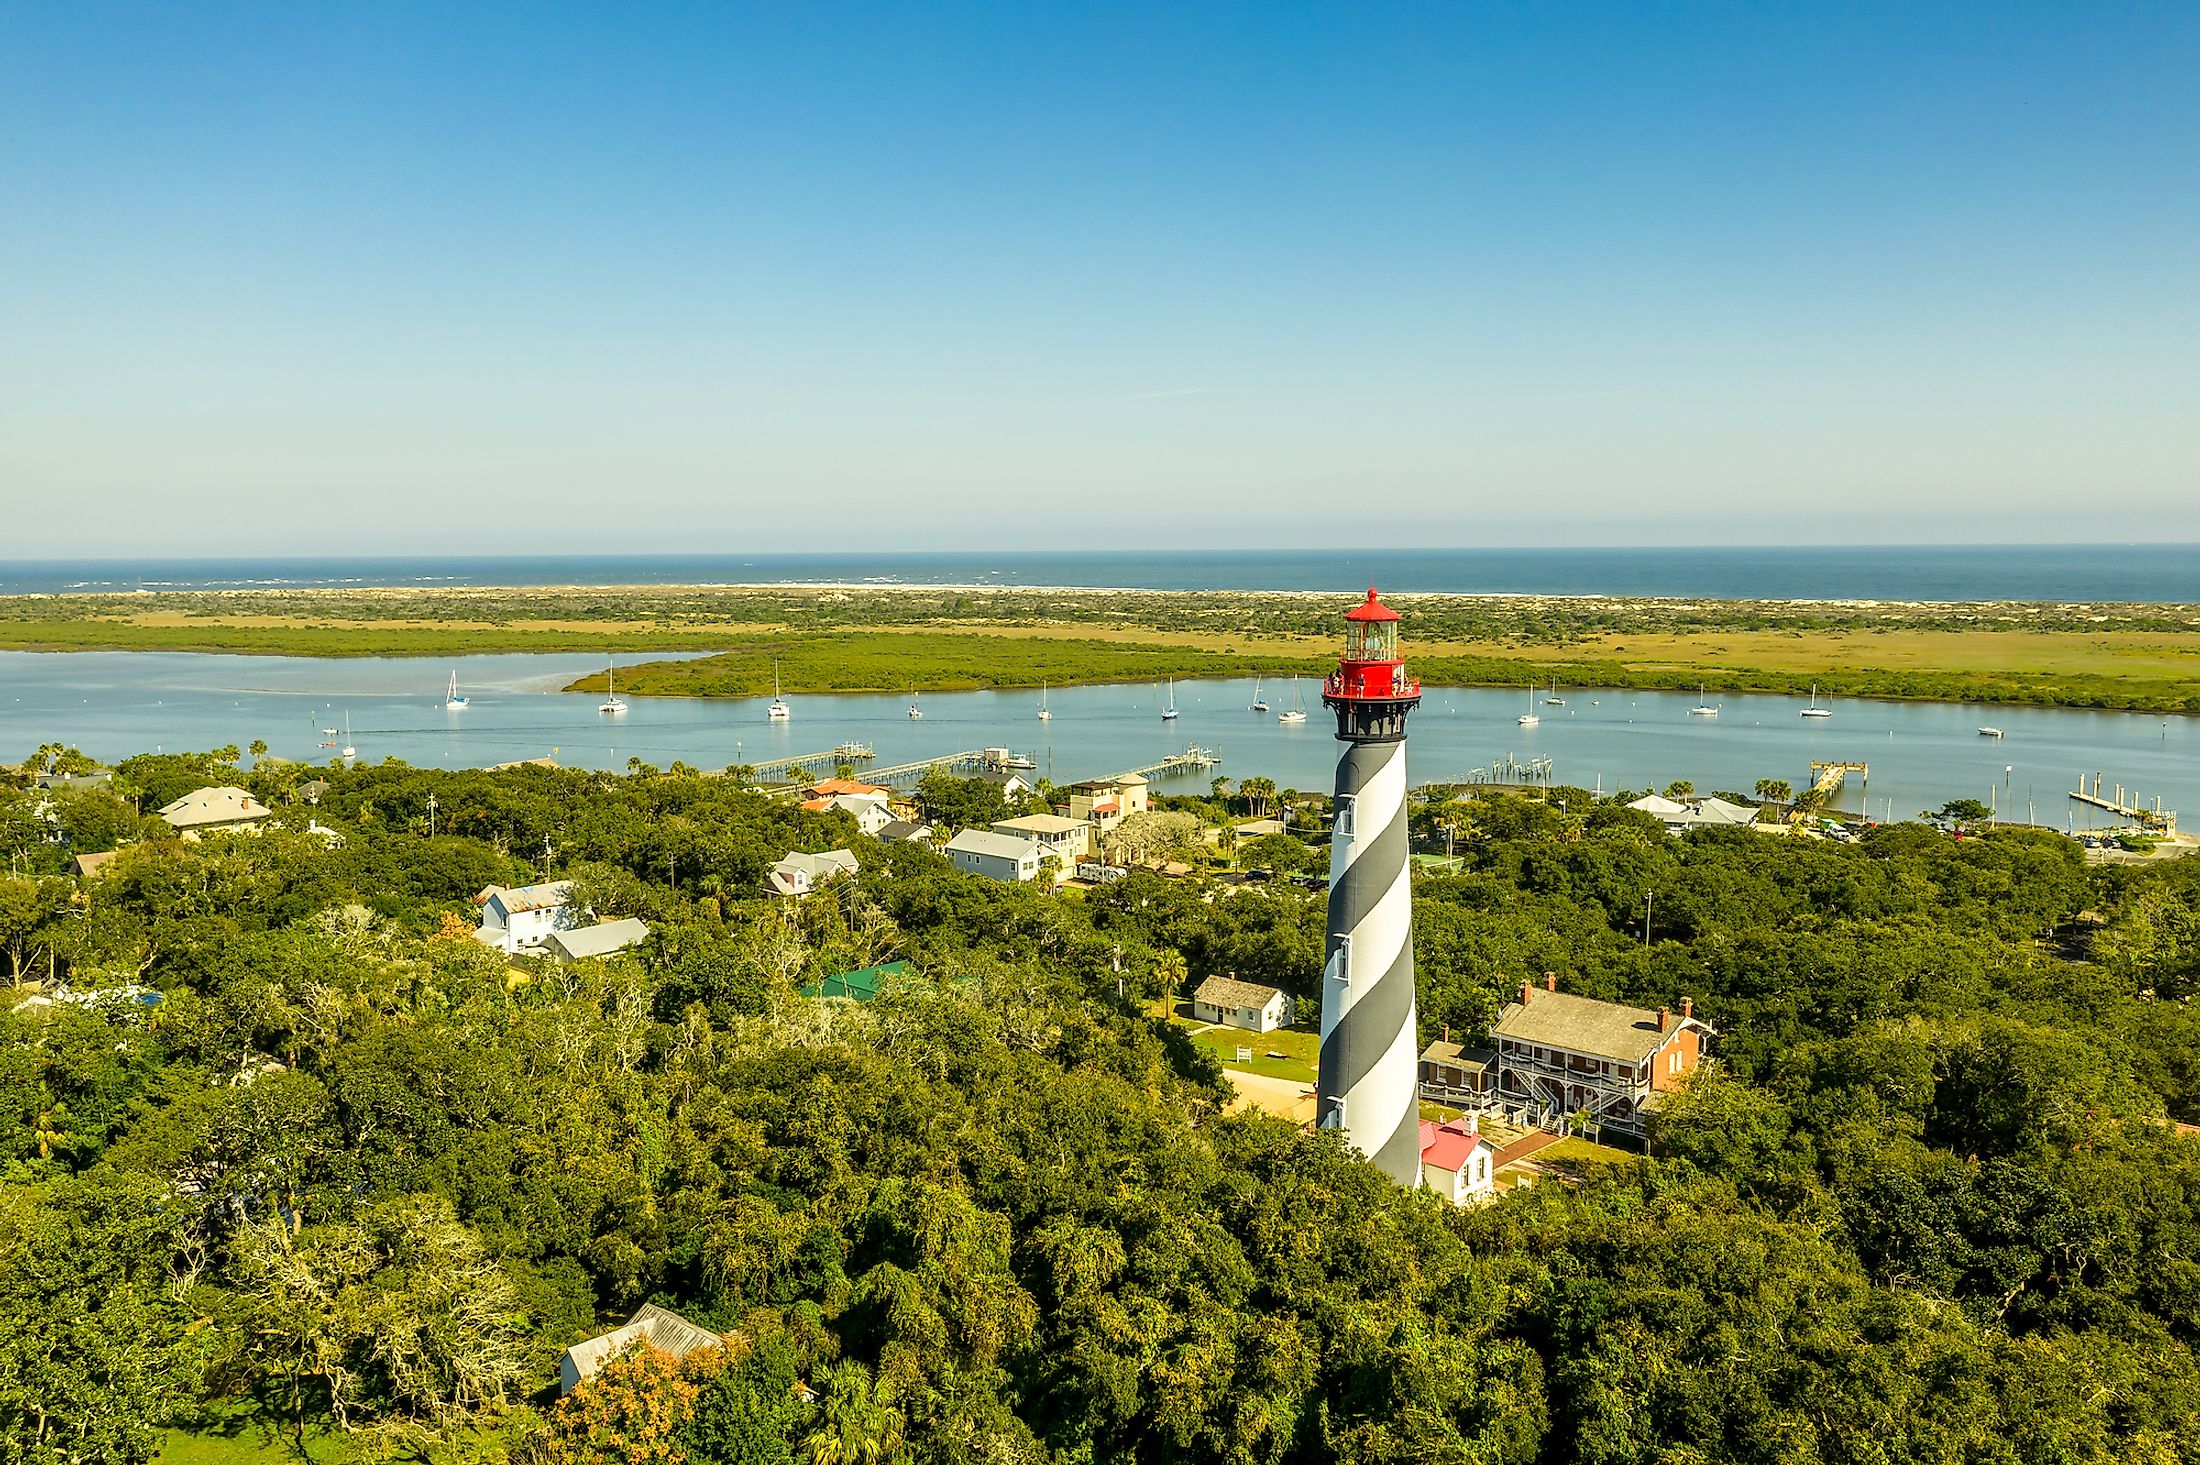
column 2124, row 804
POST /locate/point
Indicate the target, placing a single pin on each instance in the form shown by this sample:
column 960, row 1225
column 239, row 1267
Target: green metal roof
column 860, row 985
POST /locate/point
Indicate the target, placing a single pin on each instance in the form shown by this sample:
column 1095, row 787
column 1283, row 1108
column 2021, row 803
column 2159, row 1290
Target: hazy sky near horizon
column 457, row 278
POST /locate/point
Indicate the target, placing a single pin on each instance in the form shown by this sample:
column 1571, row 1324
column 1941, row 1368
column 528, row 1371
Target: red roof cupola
column 1371, row 609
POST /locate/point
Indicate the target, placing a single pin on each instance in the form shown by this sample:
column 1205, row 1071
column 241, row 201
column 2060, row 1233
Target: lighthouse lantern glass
column 1371, row 641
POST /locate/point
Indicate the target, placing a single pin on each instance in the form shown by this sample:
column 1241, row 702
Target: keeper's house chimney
column 1665, row 1018
column 1550, row 981
column 1527, row 993
column 1688, row 1007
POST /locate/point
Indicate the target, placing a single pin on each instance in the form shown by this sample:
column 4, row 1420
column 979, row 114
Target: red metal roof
column 1371, row 609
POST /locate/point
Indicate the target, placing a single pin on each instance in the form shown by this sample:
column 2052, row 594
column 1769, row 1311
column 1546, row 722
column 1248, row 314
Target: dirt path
column 1285, row 1098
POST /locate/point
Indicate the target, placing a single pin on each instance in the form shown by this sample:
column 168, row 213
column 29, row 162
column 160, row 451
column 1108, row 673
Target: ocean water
column 2165, row 573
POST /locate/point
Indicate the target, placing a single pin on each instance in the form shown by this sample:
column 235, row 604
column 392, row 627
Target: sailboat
column 1260, row 703
column 1168, row 710
column 1554, row 700
column 777, row 712
column 1814, row 710
column 611, row 702
column 1531, row 717
column 1297, row 712
column 451, row 700
column 1703, row 707
column 915, row 711
column 1044, row 714
column 348, row 751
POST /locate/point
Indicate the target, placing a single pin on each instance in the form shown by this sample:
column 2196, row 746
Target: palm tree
column 258, row 749
column 859, row 1424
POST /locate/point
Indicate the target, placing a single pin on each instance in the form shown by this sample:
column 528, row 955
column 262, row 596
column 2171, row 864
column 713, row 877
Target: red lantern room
column 1370, row 691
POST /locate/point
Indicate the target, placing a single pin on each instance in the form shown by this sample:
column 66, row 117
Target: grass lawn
column 1581, row 1157
column 251, row 1445
column 1301, row 1050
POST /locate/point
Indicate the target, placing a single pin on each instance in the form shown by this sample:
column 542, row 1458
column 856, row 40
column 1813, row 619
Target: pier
column 2124, row 804
column 1826, row 777
column 1191, row 760
column 967, row 758
column 845, row 753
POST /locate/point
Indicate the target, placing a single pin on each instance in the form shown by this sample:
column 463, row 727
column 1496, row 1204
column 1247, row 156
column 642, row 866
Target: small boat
column 1553, row 699
column 348, row 751
column 1814, row 710
column 611, row 702
column 1260, row 703
column 1019, row 760
column 1044, row 714
column 1296, row 713
column 778, row 711
column 915, row 711
column 1168, row 709
column 1531, row 717
column 451, row 700
column 1703, row 707
column 1989, row 732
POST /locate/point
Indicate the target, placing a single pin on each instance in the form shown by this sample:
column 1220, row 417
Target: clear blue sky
column 462, row 276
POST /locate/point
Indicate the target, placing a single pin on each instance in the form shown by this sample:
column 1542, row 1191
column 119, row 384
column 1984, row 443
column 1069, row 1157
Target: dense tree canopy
column 357, row 1172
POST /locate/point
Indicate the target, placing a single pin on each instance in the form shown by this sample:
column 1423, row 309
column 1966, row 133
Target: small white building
column 605, row 938
column 1457, row 1162
column 214, row 811
column 1231, row 1003
column 799, row 874
column 1679, row 815
column 995, row 856
column 652, row 1327
column 520, row 918
column 1069, row 840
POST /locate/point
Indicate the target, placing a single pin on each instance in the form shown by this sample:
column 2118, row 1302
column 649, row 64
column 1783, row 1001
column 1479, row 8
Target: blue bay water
column 1920, row 755
column 2061, row 573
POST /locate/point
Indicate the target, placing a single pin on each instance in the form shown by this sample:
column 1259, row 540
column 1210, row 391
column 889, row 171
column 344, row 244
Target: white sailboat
column 1703, row 707
column 1044, row 714
column 1260, row 703
column 1814, row 710
column 915, row 711
column 611, row 702
column 778, row 711
column 349, row 752
column 1296, row 713
column 451, row 699
column 1168, row 710
column 1531, row 717
column 1553, row 699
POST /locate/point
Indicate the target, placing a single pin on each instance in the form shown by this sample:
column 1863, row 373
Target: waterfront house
column 906, row 831
column 651, row 1327
column 1070, row 840
column 1681, row 815
column 214, row 811
column 72, row 782
column 868, row 810
column 995, row 856
column 1012, row 784
column 1104, row 803
column 521, row 918
column 799, row 874
column 829, row 788
column 1248, row 1005
column 605, row 938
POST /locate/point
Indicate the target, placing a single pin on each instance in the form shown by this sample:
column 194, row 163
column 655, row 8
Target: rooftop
column 224, row 805
column 601, row 939
column 1585, row 1025
column 1230, row 992
column 1041, row 824
column 516, row 898
column 990, row 842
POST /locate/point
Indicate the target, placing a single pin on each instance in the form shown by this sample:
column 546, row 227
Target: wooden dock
column 817, row 762
column 1826, row 777
column 1192, row 760
column 967, row 758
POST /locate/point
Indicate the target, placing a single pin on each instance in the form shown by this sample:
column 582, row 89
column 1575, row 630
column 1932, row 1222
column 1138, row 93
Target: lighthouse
column 1367, row 1088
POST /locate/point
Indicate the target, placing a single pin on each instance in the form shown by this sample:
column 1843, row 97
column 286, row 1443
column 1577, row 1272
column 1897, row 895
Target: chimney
column 1550, row 981
column 1665, row 1018
column 1474, row 1126
column 1688, row 1007
column 1447, row 1032
column 1527, row 993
